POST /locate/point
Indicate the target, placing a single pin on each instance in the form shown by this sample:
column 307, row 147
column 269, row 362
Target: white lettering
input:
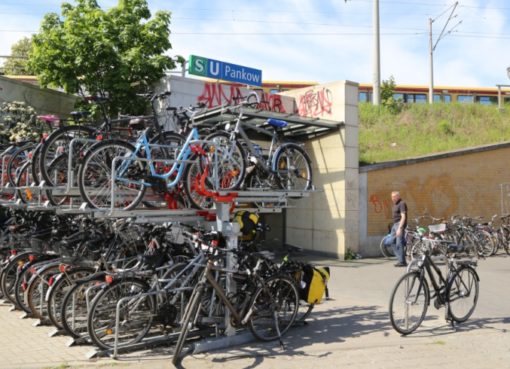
column 199, row 65
column 214, row 68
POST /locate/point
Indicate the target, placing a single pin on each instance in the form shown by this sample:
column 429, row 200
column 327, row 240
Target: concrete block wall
column 327, row 222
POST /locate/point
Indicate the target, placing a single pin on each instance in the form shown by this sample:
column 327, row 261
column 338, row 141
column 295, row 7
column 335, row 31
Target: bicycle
column 458, row 292
column 286, row 165
column 267, row 304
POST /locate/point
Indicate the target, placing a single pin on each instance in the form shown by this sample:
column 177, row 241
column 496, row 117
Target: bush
column 19, row 122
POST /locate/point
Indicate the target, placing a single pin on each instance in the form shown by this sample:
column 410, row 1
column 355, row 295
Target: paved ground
column 350, row 331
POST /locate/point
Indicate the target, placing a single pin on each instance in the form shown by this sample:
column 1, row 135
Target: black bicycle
column 457, row 292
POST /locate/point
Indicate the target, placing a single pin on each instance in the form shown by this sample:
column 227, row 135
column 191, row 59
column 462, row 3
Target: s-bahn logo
column 211, row 68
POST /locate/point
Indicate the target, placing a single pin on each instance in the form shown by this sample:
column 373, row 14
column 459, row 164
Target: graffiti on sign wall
column 215, row 94
column 315, row 103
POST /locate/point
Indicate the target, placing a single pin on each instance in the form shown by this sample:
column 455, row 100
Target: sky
column 323, row 40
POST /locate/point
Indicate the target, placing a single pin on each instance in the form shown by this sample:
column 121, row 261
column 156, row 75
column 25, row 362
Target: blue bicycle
column 144, row 165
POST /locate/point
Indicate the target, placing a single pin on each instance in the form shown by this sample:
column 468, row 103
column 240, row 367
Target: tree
column 111, row 53
column 17, row 64
column 387, row 99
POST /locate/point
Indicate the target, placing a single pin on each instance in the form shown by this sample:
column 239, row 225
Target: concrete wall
column 327, row 221
column 474, row 182
column 44, row 101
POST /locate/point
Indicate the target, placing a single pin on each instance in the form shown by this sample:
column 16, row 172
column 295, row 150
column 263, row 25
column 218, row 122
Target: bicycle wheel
column 57, row 170
column 24, row 179
column 135, row 315
column 95, row 176
column 58, row 144
column 408, row 303
column 20, row 157
column 21, row 285
column 34, row 164
column 74, row 309
column 59, row 288
column 35, row 294
column 293, row 167
column 386, row 250
column 9, row 276
column 226, row 161
column 188, row 318
column 191, row 181
column 275, row 306
column 463, row 294
column 485, row 243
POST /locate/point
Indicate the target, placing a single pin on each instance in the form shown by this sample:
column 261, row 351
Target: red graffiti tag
column 315, row 103
column 378, row 205
column 215, row 94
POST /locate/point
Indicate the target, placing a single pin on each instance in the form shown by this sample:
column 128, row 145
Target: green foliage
column 423, row 129
column 115, row 53
column 19, row 122
column 387, row 99
column 17, row 64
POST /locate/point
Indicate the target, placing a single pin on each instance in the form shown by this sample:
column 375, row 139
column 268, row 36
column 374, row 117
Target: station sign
column 211, row 68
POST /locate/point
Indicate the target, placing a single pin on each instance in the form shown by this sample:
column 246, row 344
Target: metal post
column 431, row 63
column 376, row 91
column 500, row 102
column 230, row 232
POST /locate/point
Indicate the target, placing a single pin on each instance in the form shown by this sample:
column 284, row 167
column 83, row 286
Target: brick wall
column 467, row 182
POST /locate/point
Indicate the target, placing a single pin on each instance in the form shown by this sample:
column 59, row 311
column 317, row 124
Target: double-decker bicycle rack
column 219, row 218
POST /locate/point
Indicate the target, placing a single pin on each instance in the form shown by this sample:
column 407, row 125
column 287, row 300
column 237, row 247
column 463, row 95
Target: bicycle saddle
column 137, row 123
column 277, row 123
column 49, row 119
column 80, row 114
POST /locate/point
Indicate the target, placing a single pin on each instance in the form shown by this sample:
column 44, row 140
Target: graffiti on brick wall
column 315, row 103
column 434, row 195
column 215, row 94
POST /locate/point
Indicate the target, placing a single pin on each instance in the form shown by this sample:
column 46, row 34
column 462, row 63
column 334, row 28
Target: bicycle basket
column 436, row 228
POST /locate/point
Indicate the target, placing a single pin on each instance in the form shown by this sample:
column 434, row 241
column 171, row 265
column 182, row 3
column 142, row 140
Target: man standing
column 399, row 212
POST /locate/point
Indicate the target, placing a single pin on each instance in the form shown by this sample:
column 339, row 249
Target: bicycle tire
column 189, row 316
column 36, row 292
column 74, row 309
column 24, row 179
column 16, row 161
column 190, row 181
column 232, row 161
column 462, row 286
column 65, row 134
column 9, row 275
column 34, row 164
column 21, row 284
column 413, row 280
column 289, row 172
column 103, row 312
column 386, row 251
column 88, row 184
column 279, row 292
column 58, row 172
column 58, row 290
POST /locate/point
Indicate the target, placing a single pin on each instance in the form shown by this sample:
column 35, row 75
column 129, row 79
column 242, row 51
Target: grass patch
column 422, row 129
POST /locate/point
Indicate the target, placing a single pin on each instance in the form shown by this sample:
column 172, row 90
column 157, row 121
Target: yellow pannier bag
column 315, row 283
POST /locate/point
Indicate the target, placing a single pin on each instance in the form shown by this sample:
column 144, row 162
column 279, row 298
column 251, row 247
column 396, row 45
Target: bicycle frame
column 177, row 167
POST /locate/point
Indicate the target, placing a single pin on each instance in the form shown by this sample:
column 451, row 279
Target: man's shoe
column 400, row 264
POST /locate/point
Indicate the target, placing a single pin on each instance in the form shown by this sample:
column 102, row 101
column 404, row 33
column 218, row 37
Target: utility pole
column 376, row 91
column 432, row 45
column 431, row 62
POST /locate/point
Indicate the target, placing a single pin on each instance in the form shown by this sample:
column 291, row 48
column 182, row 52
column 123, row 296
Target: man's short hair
column 395, row 193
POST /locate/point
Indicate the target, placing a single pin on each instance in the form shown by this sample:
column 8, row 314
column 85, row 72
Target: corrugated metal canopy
column 299, row 128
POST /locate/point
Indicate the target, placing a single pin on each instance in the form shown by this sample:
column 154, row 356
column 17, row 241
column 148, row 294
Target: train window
column 465, row 98
column 398, row 97
column 415, row 98
column 364, row 96
column 442, row 98
column 486, row 100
